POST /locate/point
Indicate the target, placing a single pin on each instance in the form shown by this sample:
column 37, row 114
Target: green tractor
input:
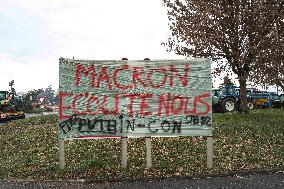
column 10, row 107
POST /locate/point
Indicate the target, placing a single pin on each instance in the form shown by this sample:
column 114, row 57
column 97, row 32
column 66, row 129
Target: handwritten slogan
column 134, row 98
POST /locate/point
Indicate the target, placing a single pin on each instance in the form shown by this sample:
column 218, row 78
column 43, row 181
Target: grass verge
column 29, row 150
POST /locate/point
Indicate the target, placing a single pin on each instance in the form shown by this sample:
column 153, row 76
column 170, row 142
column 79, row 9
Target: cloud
column 36, row 33
column 103, row 29
column 35, row 75
column 21, row 34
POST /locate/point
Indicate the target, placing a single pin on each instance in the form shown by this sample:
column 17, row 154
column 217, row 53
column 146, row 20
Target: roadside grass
column 29, row 150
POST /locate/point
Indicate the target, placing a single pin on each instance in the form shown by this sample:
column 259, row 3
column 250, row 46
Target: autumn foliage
column 248, row 34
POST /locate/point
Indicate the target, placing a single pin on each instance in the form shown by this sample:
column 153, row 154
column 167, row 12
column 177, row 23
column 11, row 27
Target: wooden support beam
column 209, row 152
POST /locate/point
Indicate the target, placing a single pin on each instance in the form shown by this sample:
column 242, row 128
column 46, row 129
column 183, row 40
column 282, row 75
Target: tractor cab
column 10, row 107
column 3, row 95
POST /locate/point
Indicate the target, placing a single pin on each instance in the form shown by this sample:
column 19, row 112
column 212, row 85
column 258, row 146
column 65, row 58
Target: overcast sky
column 35, row 34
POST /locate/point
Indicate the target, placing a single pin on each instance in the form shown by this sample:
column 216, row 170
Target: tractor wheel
column 228, row 105
column 22, row 116
column 251, row 105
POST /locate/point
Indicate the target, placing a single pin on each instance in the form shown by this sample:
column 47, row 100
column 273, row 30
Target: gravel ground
column 253, row 181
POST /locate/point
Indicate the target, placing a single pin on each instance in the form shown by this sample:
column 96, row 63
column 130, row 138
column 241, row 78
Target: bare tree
column 237, row 30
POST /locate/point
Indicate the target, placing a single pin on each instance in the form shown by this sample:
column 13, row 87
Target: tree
column 273, row 71
column 49, row 95
column 30, row 100
column 227, row 82
column 56, row 98
column 235, row 30
column 11, row 83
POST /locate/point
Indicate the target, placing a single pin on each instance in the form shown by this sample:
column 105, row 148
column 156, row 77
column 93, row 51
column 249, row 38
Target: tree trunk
column 243, row 95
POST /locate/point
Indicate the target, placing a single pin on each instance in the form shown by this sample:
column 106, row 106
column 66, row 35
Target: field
column 29, row 150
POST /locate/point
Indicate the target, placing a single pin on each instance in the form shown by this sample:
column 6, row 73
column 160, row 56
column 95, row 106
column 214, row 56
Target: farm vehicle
column 11, row 107
column 282, row 100
column 227, row 99
column 264, row 99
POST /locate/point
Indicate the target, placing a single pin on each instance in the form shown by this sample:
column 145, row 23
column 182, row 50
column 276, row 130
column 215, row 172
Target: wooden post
column 209, row 152
column 123, row 152
column 148, row 144
column 61, row 154
column 148, row 152
column 124, row 145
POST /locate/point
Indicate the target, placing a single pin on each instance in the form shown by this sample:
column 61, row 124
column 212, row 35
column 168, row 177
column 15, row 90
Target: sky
column 34, row 34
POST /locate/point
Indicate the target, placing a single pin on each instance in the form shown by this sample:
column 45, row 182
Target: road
column 32, row 115
column 252, row 181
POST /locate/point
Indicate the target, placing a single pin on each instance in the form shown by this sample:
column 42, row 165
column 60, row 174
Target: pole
column 61, row 154
column 124, row 144
column 209, row 152
column 148, row 143
column 148, row 152
column 123, row 152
